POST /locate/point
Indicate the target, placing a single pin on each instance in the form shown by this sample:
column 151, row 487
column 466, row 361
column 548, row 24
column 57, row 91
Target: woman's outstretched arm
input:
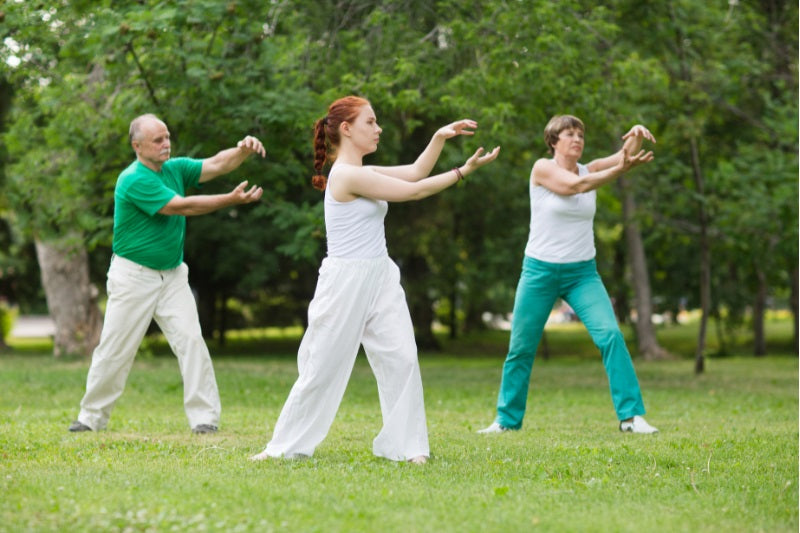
column 421, row 168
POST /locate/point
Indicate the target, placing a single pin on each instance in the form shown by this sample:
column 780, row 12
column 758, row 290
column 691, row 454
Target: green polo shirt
column 141, row 234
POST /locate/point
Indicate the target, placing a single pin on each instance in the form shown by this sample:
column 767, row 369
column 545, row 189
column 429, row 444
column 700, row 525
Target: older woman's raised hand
column 459, row 127
column 639, row 131
column 629, row 162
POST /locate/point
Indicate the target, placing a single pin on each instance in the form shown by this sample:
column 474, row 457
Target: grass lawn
column 726, row 458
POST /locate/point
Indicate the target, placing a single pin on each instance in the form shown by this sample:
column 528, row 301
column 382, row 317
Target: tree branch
column 142, row 72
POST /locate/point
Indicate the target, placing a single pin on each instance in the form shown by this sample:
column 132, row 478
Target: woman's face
column 570, row 143
column 364, row 130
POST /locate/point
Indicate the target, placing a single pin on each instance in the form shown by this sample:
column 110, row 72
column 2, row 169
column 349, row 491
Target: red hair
column 326, row 133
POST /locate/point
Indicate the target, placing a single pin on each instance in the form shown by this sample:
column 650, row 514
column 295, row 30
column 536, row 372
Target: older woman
column 560, row 263
column 359, row 299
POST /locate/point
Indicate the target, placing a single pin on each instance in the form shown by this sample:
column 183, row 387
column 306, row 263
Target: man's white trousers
column 357, row 301
column 137, row 295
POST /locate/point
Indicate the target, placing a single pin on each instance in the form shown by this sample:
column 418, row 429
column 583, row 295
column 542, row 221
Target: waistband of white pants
column 127, row 263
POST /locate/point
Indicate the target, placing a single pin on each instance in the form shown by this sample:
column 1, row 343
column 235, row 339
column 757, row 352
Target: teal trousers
column 579, row 284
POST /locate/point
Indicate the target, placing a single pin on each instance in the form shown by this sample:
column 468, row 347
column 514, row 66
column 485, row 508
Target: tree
column 84, row 71
column 716, row 83
column 54, row 188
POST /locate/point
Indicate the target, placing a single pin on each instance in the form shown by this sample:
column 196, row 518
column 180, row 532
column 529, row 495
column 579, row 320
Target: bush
column 8, row 315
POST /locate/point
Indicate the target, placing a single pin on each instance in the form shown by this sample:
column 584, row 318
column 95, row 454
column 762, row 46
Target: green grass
column 726, row 458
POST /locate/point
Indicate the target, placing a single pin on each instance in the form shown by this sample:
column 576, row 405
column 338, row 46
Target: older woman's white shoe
column 637, row 425
column 494, row 427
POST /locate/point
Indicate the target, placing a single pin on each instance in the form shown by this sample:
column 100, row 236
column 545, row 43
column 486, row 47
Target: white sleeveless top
column 355, row 228
column 561, row 226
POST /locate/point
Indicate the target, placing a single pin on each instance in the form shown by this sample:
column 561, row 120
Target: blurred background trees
column 711, row 224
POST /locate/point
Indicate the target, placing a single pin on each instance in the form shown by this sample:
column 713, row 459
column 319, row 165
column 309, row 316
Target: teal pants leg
column 536, row 293
column 584, row 291
column 579, row 284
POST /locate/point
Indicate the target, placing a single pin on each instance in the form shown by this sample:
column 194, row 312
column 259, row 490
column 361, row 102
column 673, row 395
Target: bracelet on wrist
column 459, row 175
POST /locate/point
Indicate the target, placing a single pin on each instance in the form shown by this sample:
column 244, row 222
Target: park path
column 27, row 326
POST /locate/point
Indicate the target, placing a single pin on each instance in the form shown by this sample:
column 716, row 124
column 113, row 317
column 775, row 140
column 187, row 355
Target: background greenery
column 725, row 457
column 716, row 82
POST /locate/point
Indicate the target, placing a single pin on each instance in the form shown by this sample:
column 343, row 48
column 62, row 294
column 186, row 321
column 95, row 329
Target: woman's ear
column 344, row 129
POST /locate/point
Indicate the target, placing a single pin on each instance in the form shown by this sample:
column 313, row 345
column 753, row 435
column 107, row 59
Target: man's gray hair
column 136, row 126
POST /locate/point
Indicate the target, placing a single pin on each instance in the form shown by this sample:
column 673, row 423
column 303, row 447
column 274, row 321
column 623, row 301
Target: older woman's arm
column 633, row 143
column 561, row 181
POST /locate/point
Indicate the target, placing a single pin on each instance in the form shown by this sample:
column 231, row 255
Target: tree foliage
column 721, row 77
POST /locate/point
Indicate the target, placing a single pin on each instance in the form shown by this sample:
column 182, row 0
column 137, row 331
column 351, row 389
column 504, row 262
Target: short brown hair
column 556, row 125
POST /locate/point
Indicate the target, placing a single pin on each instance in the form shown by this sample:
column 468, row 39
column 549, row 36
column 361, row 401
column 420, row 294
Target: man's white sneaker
column 637, row 425
column 494, row 427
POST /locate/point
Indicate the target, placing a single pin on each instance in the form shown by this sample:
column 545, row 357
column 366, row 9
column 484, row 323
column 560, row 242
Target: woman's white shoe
column 637, row 425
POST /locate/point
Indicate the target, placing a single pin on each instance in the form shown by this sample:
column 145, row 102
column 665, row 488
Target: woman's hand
column 459, row 127
column 478, row 160
column 639, row 131
column 635, row 137
column 628, row 162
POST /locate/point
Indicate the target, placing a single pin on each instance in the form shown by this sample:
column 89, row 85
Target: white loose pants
column 137, row 295
column 357, row 301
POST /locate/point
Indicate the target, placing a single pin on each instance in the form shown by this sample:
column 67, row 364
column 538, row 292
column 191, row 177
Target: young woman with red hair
column 358, row 299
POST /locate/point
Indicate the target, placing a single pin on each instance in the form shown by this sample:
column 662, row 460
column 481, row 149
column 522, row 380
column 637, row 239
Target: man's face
column 153, row 146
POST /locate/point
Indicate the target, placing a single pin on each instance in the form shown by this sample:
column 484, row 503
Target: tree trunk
column 759, row 309
column 453, row 312
column 543, row 351
column 223, row 319
column 647, row 343
column 722, row 336
column 71, row 298
column 684, row 74
column 417, row 274
column 207, row 310
column 705, row 259
column 621, row 304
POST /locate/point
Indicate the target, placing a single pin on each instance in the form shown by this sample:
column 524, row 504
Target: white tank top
column 355, row 228
column 561, row 226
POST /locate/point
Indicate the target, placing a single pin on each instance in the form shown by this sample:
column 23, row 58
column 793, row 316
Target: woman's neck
column 566, row 162
column 349, row 156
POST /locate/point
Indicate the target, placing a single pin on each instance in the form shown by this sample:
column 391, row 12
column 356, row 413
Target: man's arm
column 230, row 159
column 206, row 203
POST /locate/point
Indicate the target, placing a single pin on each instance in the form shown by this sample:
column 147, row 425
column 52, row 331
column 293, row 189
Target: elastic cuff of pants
column 509, row 426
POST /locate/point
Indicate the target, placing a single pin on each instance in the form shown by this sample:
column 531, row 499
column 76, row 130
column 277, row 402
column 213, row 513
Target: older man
column 148, row 279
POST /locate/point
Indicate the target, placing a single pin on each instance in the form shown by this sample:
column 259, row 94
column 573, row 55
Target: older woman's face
column 569, row 143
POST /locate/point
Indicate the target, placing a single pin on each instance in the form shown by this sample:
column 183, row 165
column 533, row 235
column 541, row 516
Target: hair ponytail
column 319, row 181
column 326, row 134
